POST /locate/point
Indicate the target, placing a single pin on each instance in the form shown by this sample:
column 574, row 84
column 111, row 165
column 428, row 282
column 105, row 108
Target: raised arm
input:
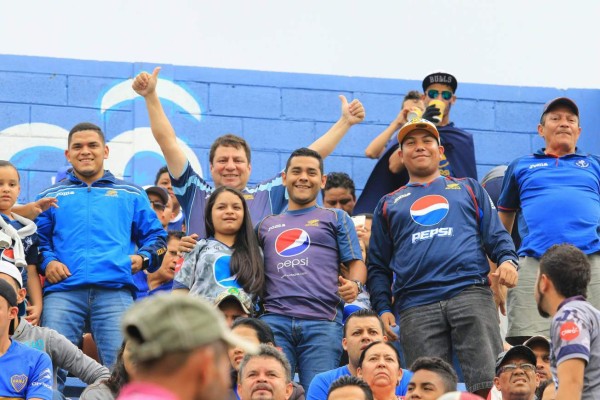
column 145, row 85
column 352, row 113
column 377, row 146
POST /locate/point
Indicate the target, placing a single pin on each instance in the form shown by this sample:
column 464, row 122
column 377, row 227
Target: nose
column 230, row 164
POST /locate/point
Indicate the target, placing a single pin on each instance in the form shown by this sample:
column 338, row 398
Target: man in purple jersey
column 434, row 235
column 303, row 248
column 230, row 160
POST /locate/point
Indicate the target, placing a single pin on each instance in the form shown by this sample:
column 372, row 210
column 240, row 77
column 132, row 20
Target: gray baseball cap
column 173, row 322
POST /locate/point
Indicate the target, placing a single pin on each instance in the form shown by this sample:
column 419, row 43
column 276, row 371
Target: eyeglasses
column 511, row 367
column 433, row 94
column 158, row 206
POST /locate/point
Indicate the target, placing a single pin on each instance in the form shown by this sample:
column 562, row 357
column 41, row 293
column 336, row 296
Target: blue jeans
column 100, row 309
column 314, row 346
column 466, row 324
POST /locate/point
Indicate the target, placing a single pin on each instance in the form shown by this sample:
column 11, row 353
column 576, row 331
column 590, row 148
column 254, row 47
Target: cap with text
column 440, row 77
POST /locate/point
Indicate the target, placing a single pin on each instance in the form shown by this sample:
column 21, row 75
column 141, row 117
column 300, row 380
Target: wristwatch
column 145, row 262
column 360, row 285
column 514, row 264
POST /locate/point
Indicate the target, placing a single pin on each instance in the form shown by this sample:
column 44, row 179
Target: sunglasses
column 511, row 367
column 446, row 94
column 158, row 205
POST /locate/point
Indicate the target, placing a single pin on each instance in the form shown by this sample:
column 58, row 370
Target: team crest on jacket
column 292, row 242
column 429, row 210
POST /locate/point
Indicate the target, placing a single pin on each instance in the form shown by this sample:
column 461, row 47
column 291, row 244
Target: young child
column 229, row 256
column 19, row 240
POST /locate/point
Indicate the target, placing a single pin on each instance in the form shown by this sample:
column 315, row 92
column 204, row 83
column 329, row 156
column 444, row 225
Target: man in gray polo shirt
column 561, row 289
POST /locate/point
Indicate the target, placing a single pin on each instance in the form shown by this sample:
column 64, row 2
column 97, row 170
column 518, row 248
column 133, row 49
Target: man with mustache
column 538, row 186
column 265, row 376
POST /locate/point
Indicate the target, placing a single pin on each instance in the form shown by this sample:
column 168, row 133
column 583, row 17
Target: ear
column 288, row 390
column 497, row 382
column 359, row 372
column 323, row 180
column 453, row 99
column 345, row 344
column 284, row 178
column 106, row 151
column 67, row 155
column 12, row 312
column 441, row 150
column 540, row 130
column 21, row 294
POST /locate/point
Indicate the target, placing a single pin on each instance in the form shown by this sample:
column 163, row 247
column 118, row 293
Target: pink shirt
column 145, row 391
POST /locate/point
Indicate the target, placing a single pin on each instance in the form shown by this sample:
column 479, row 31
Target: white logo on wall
column 38, row 136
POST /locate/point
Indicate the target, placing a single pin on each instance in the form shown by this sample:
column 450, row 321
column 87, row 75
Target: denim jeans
column 466, row 324
column 314, row 346
column 100, row 309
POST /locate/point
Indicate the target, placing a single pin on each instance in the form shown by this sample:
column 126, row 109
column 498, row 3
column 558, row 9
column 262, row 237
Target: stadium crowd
column 294, row 288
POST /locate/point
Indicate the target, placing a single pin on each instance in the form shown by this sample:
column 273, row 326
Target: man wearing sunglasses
column 161, row 204
column 515, row 374
column 458, row 159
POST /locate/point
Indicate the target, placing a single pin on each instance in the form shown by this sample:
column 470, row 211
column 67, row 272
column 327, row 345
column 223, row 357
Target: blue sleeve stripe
column 574, row 349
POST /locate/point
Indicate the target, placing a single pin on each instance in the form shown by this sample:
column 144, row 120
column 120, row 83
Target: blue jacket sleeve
column 379, row 274
column 45, row 229
column 148, row 233
column 497, row 241
column 347, row 239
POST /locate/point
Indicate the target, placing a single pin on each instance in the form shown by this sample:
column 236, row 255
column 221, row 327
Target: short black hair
column 174, row 234
column 439, row 367
column 264, row 333
column 340, row 180
column 86, row 126
column 363, row 313
column 568, row 268
column 305, row 152
column 161, row 171
column 350, row 380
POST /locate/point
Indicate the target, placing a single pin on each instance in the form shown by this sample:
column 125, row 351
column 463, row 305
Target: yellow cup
column 414, row 113
column 442, row 106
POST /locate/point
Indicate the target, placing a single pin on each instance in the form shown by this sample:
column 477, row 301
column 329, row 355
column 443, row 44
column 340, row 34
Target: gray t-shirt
column 574, row 332
column 206, row 271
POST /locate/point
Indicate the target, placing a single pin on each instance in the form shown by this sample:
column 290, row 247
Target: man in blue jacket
column 434, row 234
column 102, row 231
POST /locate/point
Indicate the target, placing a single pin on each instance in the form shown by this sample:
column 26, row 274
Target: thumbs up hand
column 352, row 112
column 145, row 83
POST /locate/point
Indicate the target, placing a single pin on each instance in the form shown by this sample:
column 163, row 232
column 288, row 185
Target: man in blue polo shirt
column 539, row 186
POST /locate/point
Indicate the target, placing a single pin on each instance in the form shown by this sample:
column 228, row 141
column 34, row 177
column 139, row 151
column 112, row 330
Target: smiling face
column 9, row 188
column 421, row 154
column 264, row 378
column 87, row 152
column 380, row 367
column 560, row 130
column 303, row 180
column 230, row 167
column 227, row 214
column 518, row 383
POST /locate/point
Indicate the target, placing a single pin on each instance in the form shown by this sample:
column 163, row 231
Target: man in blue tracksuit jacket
column 434, row 234
column 102, row 231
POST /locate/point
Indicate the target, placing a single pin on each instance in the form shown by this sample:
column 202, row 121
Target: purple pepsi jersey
column 266, row 198
column 303, row 250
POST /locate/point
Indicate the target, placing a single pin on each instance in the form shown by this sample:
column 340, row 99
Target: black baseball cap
column 440, row 77
column 160, row 192
column 519, row 350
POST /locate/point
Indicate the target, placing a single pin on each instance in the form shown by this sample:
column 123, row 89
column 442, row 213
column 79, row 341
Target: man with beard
column 540, row 345
column 515, row 374
column 562, row 281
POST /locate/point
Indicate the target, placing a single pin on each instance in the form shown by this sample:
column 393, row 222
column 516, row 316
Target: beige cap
column 417, row 124
column 171, row 322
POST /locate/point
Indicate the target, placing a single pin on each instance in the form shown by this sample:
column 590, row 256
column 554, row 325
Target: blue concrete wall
column 275, row 112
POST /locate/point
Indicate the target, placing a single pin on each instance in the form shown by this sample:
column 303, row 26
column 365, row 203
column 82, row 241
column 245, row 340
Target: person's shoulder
column 122, row 184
